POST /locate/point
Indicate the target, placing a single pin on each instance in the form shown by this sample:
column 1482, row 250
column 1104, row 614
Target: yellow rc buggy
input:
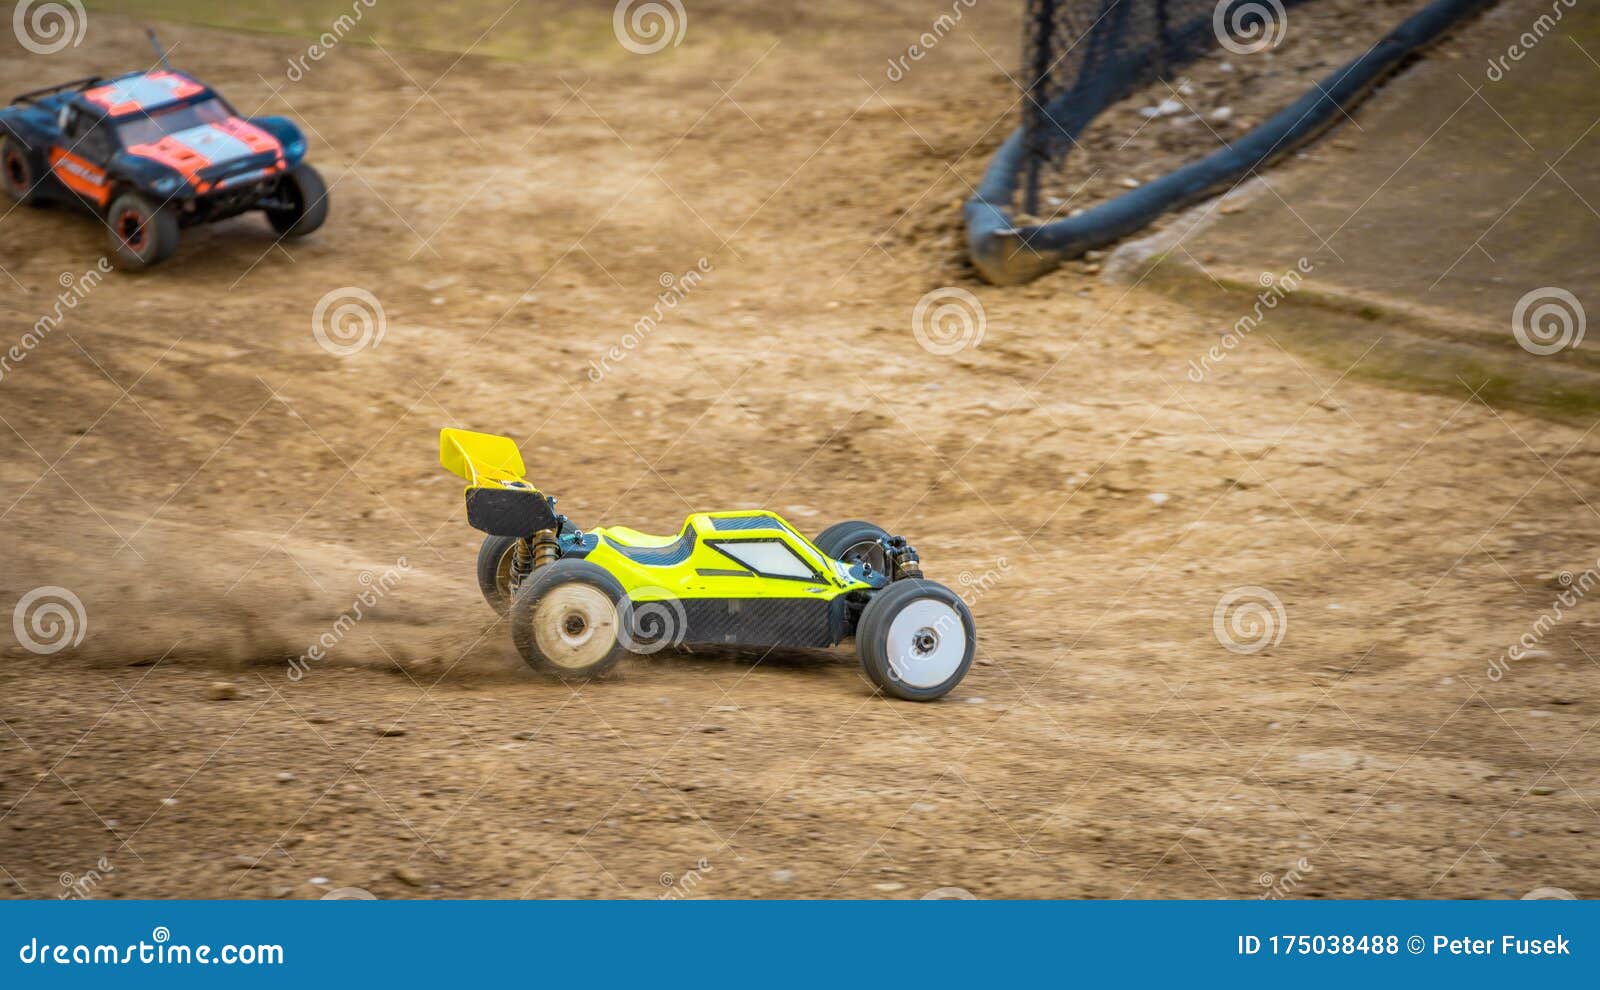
column 578, row 601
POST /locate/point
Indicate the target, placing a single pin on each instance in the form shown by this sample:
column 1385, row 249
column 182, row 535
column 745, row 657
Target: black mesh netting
column 1081, row 56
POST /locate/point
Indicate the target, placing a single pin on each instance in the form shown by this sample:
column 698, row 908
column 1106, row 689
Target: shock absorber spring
column 903, row 559
column 521, row 563
column 546, row 549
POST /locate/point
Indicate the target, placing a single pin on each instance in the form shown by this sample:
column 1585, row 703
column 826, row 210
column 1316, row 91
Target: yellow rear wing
column 481, row 459
column 499, row 500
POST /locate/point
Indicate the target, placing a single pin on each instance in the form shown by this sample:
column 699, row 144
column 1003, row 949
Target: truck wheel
column 142, row 233
column 565, row 620
column 494, row 571
column 304, row 190
column 18, row 172
column 855, row 542
column 916, row 639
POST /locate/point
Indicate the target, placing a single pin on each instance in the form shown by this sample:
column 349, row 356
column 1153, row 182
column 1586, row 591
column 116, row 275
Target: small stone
column 388, row 730
column 1159, row 498
column 713, row 728
column 1541, row 791
column 889, row 888
column 222, row 691
column 169, row 801
column 525, row 734
column 1221, row 115
column 783, row 876
column 406, row 875
column 1538, row 713
column 285, row 777
column 975, row 700
column 319, row 881
column 726, row 708
column 1128, row 182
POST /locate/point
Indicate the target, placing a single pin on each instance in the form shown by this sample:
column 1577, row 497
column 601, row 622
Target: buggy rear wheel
column 306, row 202
column 916, row 639
column 496, row 575
column 143, row 233
column 566, row 622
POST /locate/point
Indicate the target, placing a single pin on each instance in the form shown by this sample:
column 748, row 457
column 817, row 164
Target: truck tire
column 304, row 190
column 142, row 232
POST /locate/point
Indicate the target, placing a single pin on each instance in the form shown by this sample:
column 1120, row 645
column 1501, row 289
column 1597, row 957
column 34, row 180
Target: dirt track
column 514, row 221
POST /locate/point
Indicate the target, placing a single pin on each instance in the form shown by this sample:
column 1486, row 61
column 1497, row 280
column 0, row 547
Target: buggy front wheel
column 916, row 639
column 855, row 542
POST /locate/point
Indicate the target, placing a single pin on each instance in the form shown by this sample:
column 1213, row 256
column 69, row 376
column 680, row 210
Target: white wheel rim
column 575, row 625
column 927, row 642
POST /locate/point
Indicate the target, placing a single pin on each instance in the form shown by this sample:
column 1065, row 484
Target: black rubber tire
column 142, row 232
column 872, row 637
column 546, row 587
column 20, row 172
column 837, row 540
column 304, row 186
column 493, row 572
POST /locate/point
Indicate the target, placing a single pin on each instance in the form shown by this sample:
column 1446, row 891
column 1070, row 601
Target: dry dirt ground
column 213, row 488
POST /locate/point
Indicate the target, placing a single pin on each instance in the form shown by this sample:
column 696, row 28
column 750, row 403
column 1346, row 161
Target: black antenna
column 156, row 44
